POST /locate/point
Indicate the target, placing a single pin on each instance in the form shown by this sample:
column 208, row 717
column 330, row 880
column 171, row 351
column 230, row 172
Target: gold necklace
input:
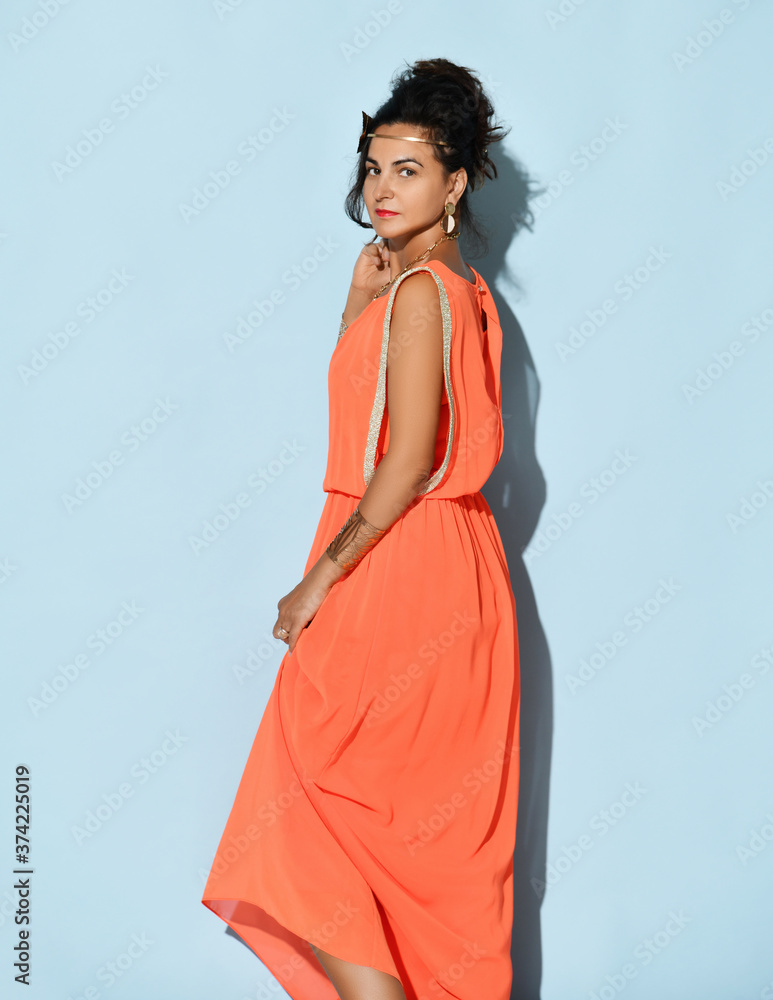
column 407, row 267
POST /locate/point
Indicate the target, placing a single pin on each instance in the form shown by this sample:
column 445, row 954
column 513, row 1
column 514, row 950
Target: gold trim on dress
column 377, row 413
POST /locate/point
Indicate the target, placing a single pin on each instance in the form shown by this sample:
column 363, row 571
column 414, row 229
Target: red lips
column 383, row 213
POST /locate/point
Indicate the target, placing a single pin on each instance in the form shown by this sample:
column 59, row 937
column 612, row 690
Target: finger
column 296, row 631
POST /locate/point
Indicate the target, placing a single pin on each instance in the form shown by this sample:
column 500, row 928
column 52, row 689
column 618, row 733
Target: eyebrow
column 405, row 159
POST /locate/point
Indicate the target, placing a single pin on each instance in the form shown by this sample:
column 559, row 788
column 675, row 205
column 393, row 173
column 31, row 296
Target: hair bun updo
column 461, row 111
column 449, row 102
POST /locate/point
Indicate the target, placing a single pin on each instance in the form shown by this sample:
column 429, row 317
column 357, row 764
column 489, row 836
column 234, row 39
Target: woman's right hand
column 371, row 269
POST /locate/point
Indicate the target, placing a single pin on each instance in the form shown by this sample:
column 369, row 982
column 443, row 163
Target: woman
column 368, row 853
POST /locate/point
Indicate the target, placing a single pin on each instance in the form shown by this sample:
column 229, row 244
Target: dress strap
column 377, row 413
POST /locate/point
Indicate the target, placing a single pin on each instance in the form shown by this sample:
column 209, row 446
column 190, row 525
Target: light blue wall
column 121, row 632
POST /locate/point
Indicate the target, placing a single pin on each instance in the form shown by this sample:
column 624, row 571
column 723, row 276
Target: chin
column 394, row 226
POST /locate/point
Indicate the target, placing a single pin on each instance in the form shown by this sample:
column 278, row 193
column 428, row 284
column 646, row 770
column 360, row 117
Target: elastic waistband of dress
column 426, row 496
column 460, row 496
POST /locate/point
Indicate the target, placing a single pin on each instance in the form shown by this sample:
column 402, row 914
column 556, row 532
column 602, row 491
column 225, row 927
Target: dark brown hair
column 449, row 102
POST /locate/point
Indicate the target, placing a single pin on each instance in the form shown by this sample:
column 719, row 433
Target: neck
column 402, row 252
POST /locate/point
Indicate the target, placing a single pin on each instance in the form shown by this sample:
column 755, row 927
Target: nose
column 382, row 188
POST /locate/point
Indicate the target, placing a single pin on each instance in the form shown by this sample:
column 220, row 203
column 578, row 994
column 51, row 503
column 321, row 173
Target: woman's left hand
column 297, row 608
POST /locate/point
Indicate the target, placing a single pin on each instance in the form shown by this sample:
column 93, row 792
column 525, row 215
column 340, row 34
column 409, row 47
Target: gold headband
column 365, row 134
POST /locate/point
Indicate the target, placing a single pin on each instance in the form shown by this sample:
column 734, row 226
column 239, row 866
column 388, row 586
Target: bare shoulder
column 417, row 299
column 419, row 283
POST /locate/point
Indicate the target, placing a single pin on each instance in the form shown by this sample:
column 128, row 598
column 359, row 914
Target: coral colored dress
column 376, row 814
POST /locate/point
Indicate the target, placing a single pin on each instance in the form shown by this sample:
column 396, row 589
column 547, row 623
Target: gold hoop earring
column 448, row 222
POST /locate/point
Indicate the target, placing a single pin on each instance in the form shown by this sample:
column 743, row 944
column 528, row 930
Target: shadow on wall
column 516, row 493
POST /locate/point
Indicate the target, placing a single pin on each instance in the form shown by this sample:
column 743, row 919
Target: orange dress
column 376, row 814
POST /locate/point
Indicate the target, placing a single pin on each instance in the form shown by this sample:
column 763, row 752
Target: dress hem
column 274, row 963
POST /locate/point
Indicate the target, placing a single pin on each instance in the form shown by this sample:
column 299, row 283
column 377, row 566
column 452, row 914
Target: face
column 406, row 187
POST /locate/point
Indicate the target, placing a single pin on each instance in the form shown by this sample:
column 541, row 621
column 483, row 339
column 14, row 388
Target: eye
column 369, row 169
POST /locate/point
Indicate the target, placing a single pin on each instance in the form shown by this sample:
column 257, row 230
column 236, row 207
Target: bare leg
column 359, row 982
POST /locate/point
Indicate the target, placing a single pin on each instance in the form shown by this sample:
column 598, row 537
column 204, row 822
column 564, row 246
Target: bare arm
column 414, row 386
column 355, row 303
